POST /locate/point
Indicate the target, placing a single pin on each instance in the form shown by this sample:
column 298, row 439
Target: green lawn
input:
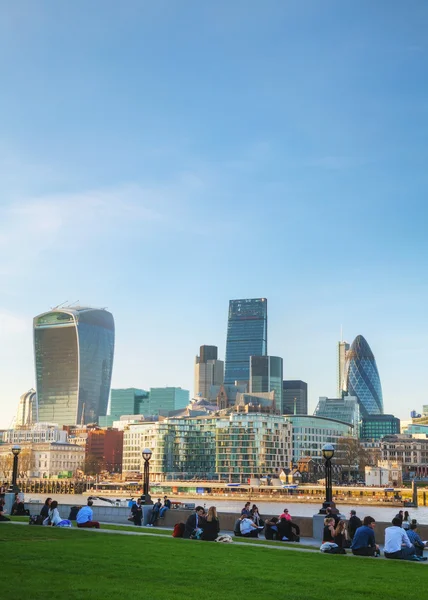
column 39, row 563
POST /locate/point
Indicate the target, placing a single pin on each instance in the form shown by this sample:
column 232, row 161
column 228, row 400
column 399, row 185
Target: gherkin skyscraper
column 362, row 378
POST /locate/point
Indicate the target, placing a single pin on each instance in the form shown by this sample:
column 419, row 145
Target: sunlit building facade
column 266, row 376
column 74, row 350
column 362, row 378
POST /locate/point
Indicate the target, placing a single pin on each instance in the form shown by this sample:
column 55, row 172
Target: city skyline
column 174, row 159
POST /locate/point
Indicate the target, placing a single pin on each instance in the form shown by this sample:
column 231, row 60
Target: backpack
column 330, row 548
column 178, row 530
column 36, row 520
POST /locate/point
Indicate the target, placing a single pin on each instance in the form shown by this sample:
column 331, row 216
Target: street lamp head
column 328, row 451
column 147, row 454
column 16, row 450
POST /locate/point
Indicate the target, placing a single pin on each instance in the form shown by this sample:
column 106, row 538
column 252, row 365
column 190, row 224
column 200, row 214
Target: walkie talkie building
column 73, row 349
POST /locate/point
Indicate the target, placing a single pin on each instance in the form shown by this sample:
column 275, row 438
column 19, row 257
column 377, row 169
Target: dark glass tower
column 246, row 336
column 362, row 378
column 266, row 376
column 73, row 350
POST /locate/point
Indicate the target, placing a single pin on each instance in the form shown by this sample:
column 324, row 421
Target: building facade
column 74, row 350
column 385, row 474
column 311, row 433
column 246, row 336
column 165, row 399
column 232, row 447
column 411, row 452
column 362, row 378
column 103, row 447
column 128, row 401
column 45, row 460
column 345, row 409
column 225, row 395
column 39, row 433
column 376, row 427
column 342, row 349
column 266, row 373
column 294, row 397
column 208, row 371
column 27, row 414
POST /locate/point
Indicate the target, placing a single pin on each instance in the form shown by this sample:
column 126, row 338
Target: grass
column 40, row 562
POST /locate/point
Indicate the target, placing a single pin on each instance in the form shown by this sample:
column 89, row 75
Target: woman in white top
column 406, row 520
column 54, row 517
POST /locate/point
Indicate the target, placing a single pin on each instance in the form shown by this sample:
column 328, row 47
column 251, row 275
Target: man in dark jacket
column 353, row 524
column 195, row 521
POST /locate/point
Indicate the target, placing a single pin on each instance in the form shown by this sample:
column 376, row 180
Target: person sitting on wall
column 18, row 508
column 246, row 512
column 137, row 512
column 166, row 506
column 415, row 539
column 194, row 522
column 248, row 527
column 364, row 543
column 285, row 515
column 155, row 513
column 85, row 517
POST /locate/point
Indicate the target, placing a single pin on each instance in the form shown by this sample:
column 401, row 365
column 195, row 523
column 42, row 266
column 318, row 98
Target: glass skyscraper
column 73, row 350
column 246, row 336
column 362, row 378
column 266, row 376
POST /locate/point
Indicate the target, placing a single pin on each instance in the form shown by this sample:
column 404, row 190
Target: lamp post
column 147, row 454
column 14, row 486
column 328, row 453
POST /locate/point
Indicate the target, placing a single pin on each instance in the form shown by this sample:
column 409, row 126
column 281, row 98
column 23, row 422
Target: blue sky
column 160, row 158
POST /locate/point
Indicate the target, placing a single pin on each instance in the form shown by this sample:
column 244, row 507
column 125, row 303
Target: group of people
column 158, row 511
column 281, row 528
column 202, row 525
column 402, row 540
column 52, row 518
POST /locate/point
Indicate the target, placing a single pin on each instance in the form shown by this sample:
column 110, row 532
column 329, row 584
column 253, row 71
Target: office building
column 266, row 374
column 26, row 415
column 230, row 448
column 410, row 452
column 344, row 409
column 294, row 397
column 74, row 350
column 167, row 398
column 342, row 349
column 376, row 427
column 208, row 371
column 246, row 336
column 362, row 378
column 311, row 433
column 103, row 446
column 128, row 401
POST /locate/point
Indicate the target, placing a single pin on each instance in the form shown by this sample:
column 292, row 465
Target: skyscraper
column 342, row 349
column 266, row 376
column 362, row 378
column 73, row 350
column 294, row 397
column 246, row 336
column 27, row 410
column 208, row 371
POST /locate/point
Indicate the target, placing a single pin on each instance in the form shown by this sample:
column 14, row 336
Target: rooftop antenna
column 72, row 303
column 58, row 305
column 341, row 333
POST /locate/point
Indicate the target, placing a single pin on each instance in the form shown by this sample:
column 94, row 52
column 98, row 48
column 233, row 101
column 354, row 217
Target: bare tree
column 93, row 465
column 25, row 463
column 6, row 465
column 351, row 456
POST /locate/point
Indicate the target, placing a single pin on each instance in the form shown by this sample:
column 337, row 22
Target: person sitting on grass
column 211, row 526
column 271, row 529
column 54, row 519
column 414, row 537
column 248, row 528
column 288, row 531
column 45, row 508
column 364, row 543
column 328, row 531
column 397, row 543
column 2, row 512
column 194, row 523
column 237, row 526
column 155, row 513
column 340, row 536
column 85, row 517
